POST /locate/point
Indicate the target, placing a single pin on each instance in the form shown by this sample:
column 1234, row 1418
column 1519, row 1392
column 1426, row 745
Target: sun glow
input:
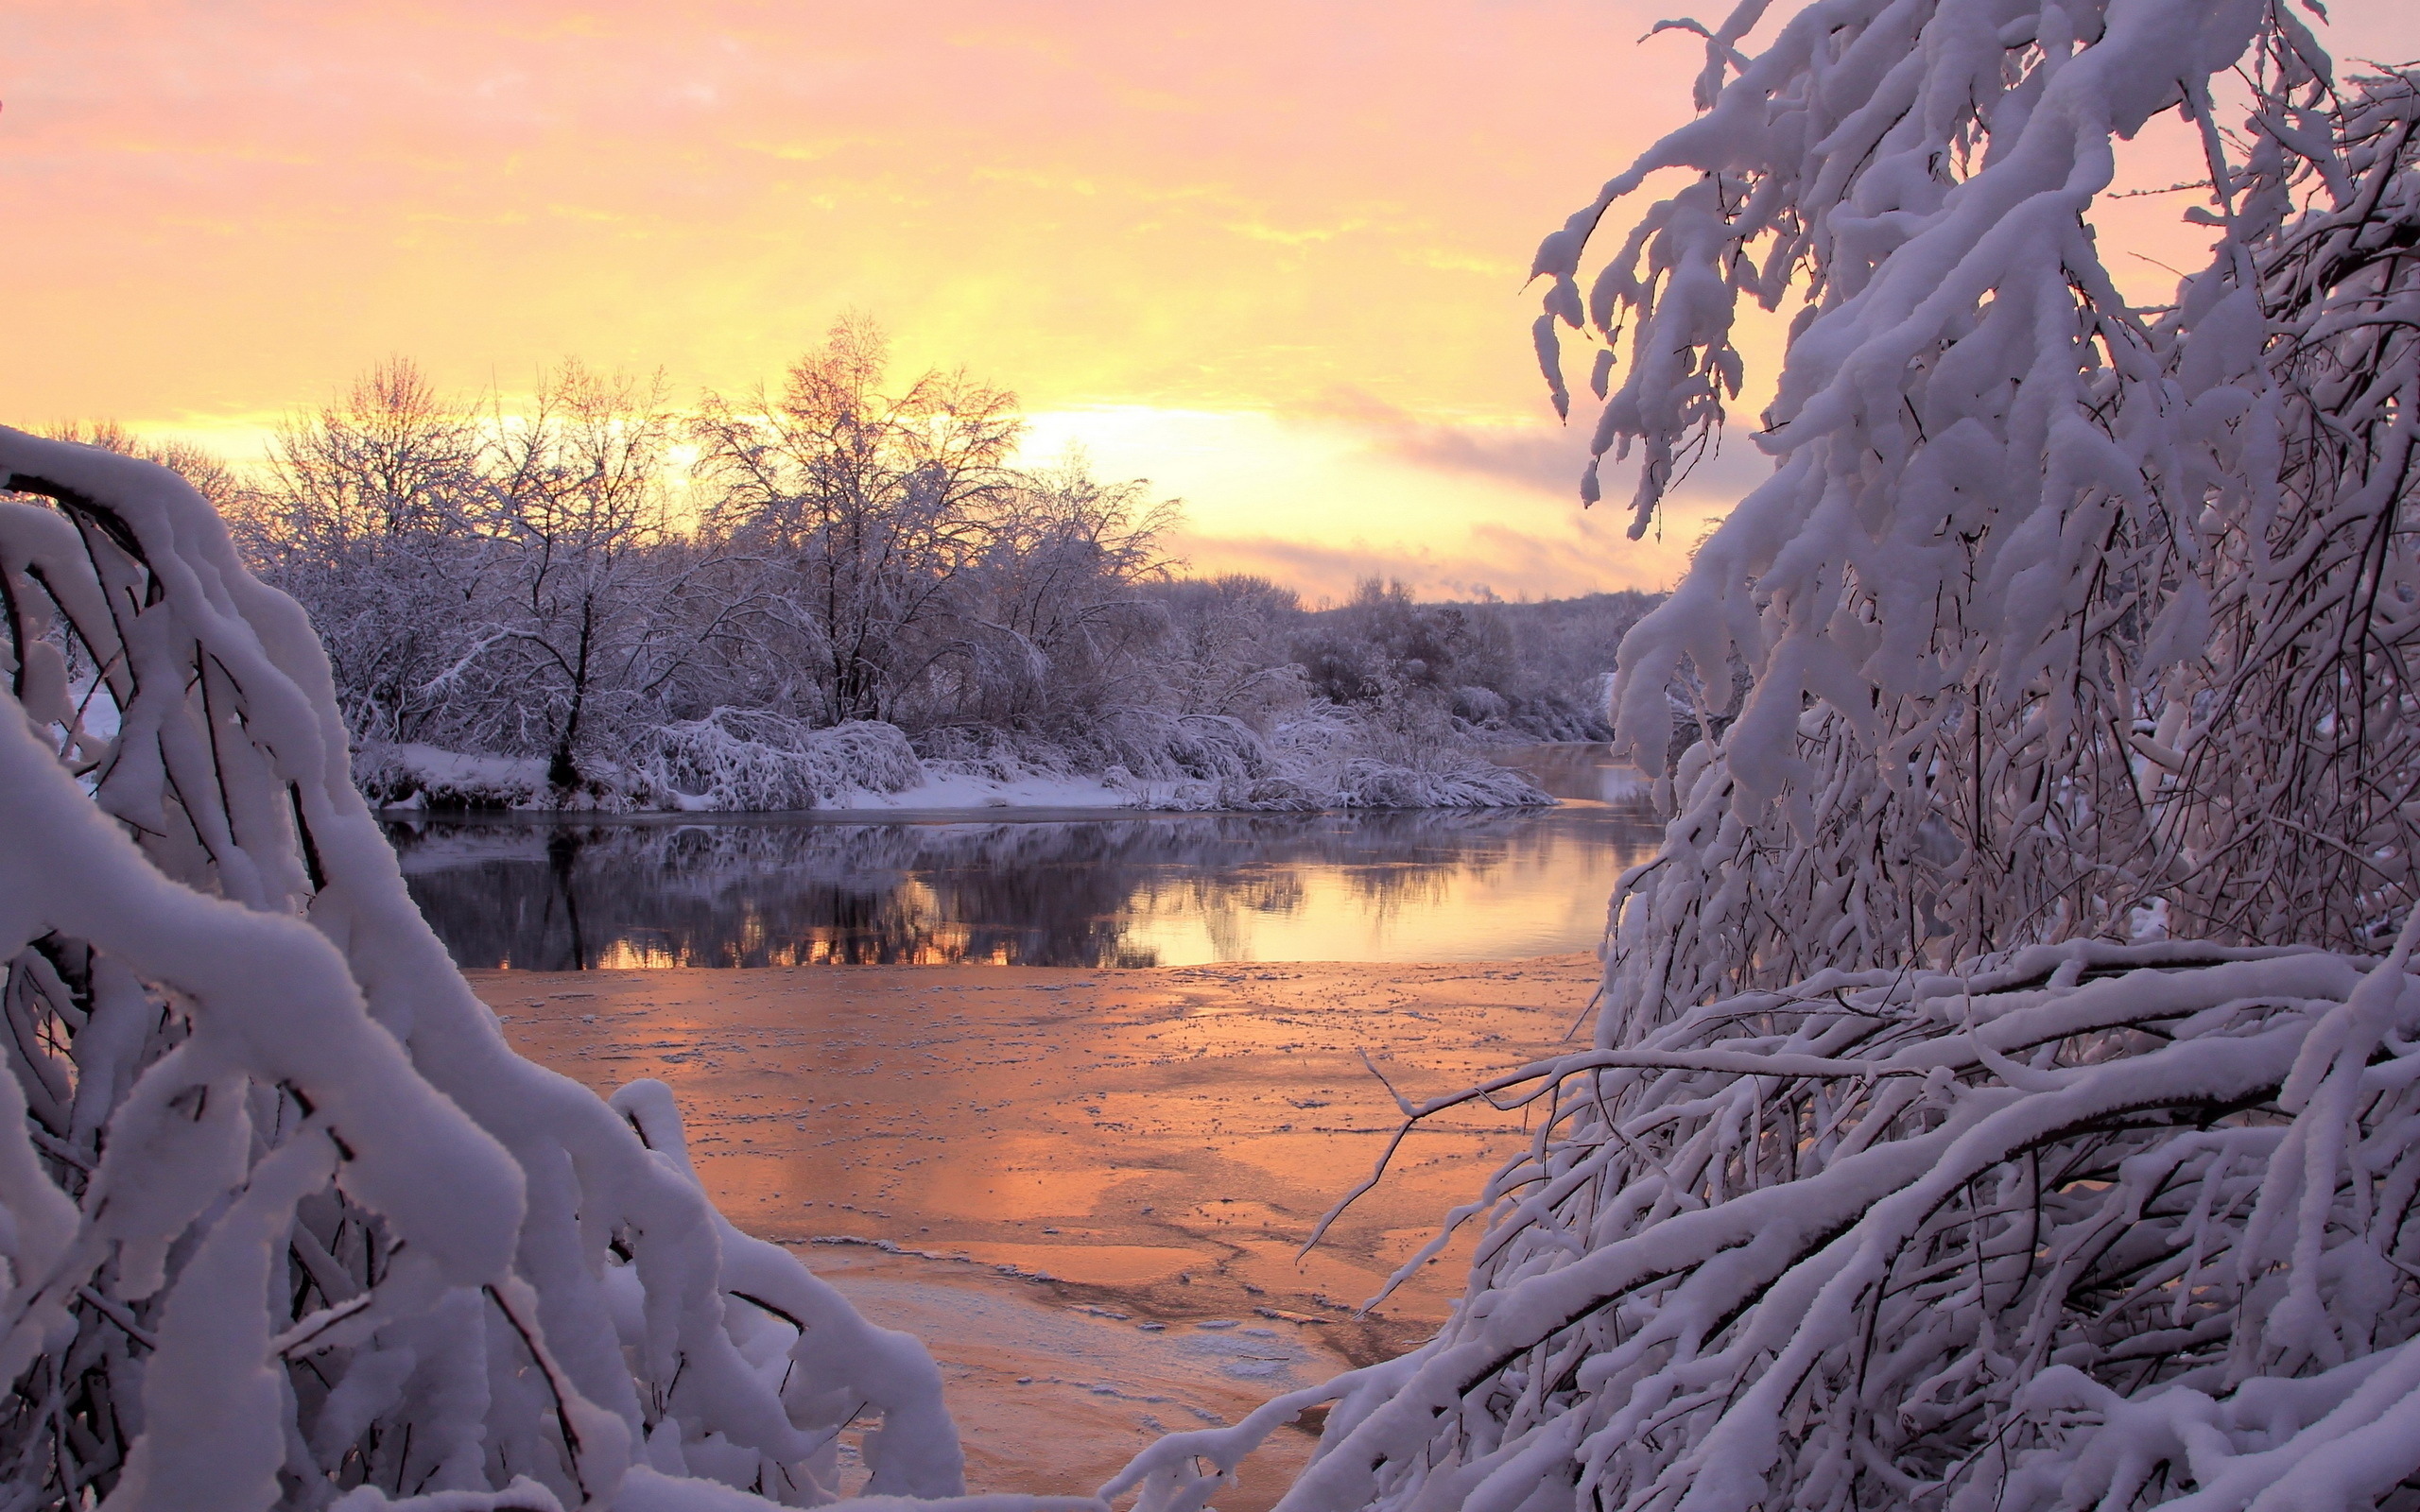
column 1269, row 256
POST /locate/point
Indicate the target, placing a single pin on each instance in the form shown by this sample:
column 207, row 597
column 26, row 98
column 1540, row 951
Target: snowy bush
column 287, row 1223
column 1470, row 784
column 736, row 759
column 1322, row 756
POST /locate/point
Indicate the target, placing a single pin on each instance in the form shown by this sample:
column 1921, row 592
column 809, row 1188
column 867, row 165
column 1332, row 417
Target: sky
column 1267, row 253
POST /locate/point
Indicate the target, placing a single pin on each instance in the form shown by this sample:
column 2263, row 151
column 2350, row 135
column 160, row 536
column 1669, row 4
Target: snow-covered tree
column 596, row 604
column 365, row 514
column 1913, row 1163
column 1050, row 626
column 1225, row 650
column 2053, row 610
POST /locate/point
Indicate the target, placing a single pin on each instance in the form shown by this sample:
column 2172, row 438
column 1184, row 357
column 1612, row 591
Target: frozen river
column 1034, row 888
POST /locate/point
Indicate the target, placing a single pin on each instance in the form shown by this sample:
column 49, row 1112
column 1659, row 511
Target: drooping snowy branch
column 1889, row 1179
column 2089, row 1224
column 287, row 1219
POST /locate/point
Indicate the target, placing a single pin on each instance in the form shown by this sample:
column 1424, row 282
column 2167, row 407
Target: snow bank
column 417, row 776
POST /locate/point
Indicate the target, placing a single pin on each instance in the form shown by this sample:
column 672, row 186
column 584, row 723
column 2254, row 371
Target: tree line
column 553, row 579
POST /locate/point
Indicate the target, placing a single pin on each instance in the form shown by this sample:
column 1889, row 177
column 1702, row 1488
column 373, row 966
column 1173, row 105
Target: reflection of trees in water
column 1385, row 865
column 1578, row 771
column 561, row 895
column 1430, row 868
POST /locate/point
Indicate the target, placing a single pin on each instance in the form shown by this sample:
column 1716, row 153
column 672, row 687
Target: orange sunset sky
column 1268, row 255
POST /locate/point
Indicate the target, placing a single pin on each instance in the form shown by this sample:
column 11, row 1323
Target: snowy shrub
column 1163, row 747
column 1472, row 783
column 1322, row 756
column 991, row 754
column 287, row 1223
column 1326, row 757
column 1481, row 706
column 736, row 759
column 1397, row 753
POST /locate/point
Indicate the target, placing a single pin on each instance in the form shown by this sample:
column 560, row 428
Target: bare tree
column 584, row 624
column 863, row 508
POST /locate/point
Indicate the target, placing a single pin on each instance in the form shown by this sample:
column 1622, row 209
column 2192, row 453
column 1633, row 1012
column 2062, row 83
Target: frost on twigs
column 283, row 1221
column 2086, row 1226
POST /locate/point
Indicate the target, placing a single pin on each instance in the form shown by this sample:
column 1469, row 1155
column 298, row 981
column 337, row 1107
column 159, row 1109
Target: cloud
column 1537, row 456
column 1588, row 557
column 1268, row 218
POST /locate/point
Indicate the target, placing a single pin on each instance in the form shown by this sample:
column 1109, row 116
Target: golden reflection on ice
column 1459, row 912
column 1168, row 1134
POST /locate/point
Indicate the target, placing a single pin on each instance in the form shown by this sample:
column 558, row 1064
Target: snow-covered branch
column 2086, row 1224
column 286, row 1220
column 1913, row 1163
column 2053, row 613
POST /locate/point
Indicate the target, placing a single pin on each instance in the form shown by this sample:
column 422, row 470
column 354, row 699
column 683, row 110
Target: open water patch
column 1035, row 889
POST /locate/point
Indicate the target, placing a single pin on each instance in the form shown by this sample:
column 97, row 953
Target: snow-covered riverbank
column 740, row 762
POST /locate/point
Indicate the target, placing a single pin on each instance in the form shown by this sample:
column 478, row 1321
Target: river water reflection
column 1033, row 888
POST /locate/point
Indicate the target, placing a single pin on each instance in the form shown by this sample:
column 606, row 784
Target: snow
column 955, row 791
column 429, row 776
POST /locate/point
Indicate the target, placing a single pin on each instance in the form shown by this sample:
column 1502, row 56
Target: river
column 1035, row 887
